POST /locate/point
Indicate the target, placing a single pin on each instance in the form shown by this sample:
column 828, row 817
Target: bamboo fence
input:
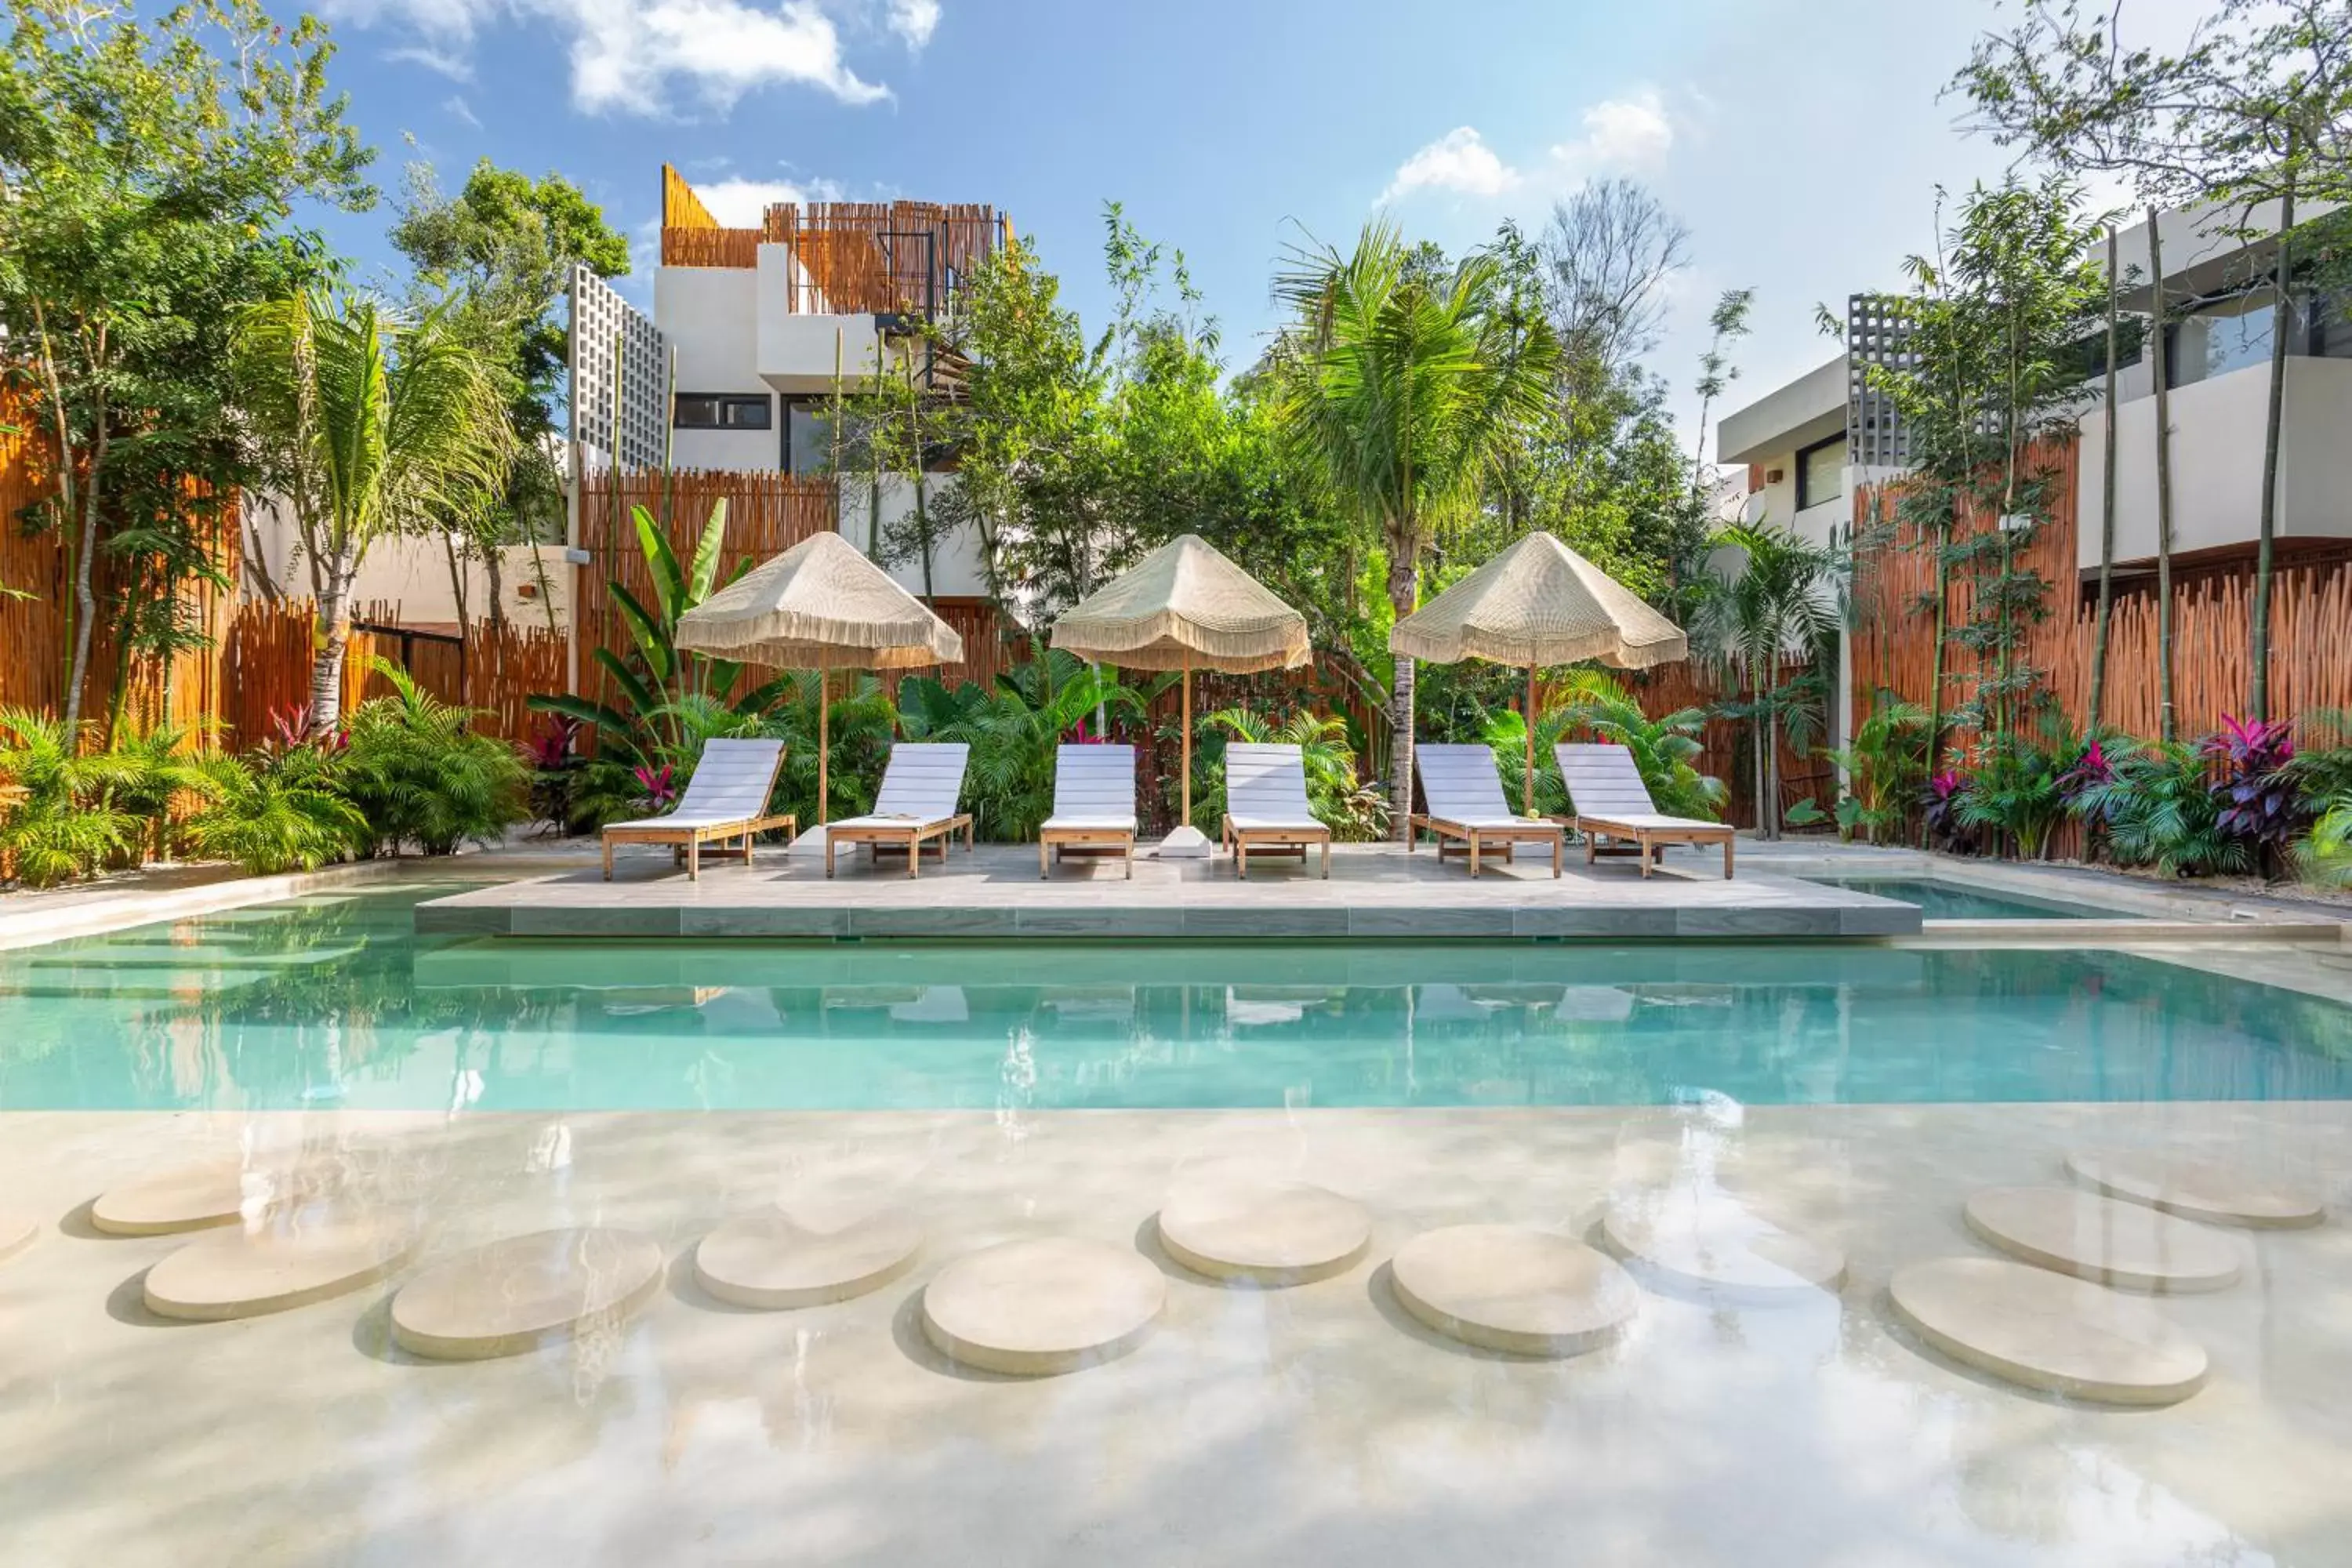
column 2311, row 628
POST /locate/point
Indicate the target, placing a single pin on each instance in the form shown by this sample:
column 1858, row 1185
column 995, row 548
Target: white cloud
column 1622, row 135
column 741, row 203
column 915, row 20
column 457, row 68
column 1460, row 160
column 456, row 107
column 626, row 55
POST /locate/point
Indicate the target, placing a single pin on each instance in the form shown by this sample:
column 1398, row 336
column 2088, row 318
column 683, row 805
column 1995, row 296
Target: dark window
column 808, row 435
column 1821, row 472
column 723, row 411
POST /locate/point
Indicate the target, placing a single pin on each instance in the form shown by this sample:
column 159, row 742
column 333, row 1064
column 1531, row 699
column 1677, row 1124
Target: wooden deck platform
column 1376, row 893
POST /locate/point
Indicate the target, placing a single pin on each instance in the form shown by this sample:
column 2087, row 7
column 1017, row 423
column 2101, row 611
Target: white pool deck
column 1313, row 1425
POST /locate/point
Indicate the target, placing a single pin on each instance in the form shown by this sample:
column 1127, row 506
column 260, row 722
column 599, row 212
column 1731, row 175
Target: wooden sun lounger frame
column 1696, row 833
column 878, row 836
column 688, row 841
column 1480, row 840
column 1615, row 783
column 1284, row 838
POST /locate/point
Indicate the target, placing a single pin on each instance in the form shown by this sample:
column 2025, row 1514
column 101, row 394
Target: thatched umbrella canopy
column 1185, row 606
column 1539, row 603
column 820, row 605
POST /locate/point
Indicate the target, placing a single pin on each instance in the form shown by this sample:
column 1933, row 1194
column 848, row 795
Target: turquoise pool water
column 1950, row 901
column 337, row 1002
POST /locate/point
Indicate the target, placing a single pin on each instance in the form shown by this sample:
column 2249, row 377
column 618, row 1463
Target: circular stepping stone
column 193, row 1198
column 1035, row 1308
column 17, row 1231
column 301, row 1260
column 805, row 1255
column 524, row 1292
column 1265, row 1233
column 2047, row 1332
column 2099, row 1239
column 1713, row 1241
column 2196, row 1189
column 1509, row 1288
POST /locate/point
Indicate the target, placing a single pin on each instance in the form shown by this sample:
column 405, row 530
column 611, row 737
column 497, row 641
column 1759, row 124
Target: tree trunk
column 2106, row 510
column 497, row 584
column 1772, row 775
column 2166, row 727
column 923, row 528
column 1935, row 667
column 2282, row 315
column 85, row 564
column 327, row 665
column 1404, row 591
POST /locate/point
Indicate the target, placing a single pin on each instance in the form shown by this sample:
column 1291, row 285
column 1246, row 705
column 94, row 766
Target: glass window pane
column 1820, row 473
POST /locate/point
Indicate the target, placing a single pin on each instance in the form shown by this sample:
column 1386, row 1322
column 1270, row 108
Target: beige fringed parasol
column 820, row 605
column 1538, row 604
column 1185, row 606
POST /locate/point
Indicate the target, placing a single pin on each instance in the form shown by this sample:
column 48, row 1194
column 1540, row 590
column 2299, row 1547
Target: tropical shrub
column 1593, row 702
column 658, row 683
column 65, row 824
column 158, row 768
column 1885, row 764
column 2262, row 799
column 2322, row 768
column 276, row 811
column 1355, row 812
column 419, row 776
column 2159, row 808
column 1015, row 730
column 1941, row 801
column 859, row 721
column 2015, row 792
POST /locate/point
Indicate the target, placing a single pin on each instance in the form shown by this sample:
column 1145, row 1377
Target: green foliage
column 1885, row 765
column 65, row 824
column 1015, row 730
column 2322, row 769
column 419, row 776
column 1594, row 704
column 641, row 717
column 858, row 723
column 2159, row 809
column 1354, row 812
column 373, row 424
column 2016, row 790
column 1775, row 606
column 148, row 170
column 277, row 813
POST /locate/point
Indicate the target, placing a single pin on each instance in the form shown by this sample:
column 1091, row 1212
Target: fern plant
column 419, row 775
column 1885, row 764
column 159, row 767
column 62, row 825
column 2017, row 791
column 277, row 812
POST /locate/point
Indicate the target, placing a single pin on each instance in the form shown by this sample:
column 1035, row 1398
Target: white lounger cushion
column 730, row 784
column 1265, row 789
column 921, row 786
column 1093, row 788
column 1604, row 785
column 1460, row 785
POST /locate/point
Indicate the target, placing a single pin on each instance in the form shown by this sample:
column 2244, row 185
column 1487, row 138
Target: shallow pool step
column 112, row 955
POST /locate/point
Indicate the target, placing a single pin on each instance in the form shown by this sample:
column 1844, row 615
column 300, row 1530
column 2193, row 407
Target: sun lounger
column 1609, row 800
column 1265, row 805
column 915, row 805
column 1463, row 796
column 1094, row 804
column 726, row 799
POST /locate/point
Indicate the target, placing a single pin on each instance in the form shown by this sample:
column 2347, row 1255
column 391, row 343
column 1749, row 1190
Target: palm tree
column 372, row 425
column 1407, row 384
column 1777, row 605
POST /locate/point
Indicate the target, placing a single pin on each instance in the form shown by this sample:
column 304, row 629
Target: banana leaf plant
column 640, row 725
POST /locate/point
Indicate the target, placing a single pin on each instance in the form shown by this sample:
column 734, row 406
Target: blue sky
column 1801, row 140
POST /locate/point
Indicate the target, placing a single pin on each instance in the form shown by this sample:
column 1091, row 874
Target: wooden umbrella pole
column 1187, row 740
column 824, row 751
column 1527, row 791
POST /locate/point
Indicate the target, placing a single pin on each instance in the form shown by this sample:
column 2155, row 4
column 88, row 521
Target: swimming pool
column 1941, row 901
column 336, row 1002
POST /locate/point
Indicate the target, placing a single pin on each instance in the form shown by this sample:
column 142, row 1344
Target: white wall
column 412, row 576
column 2217, row 462
column 957, row 569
